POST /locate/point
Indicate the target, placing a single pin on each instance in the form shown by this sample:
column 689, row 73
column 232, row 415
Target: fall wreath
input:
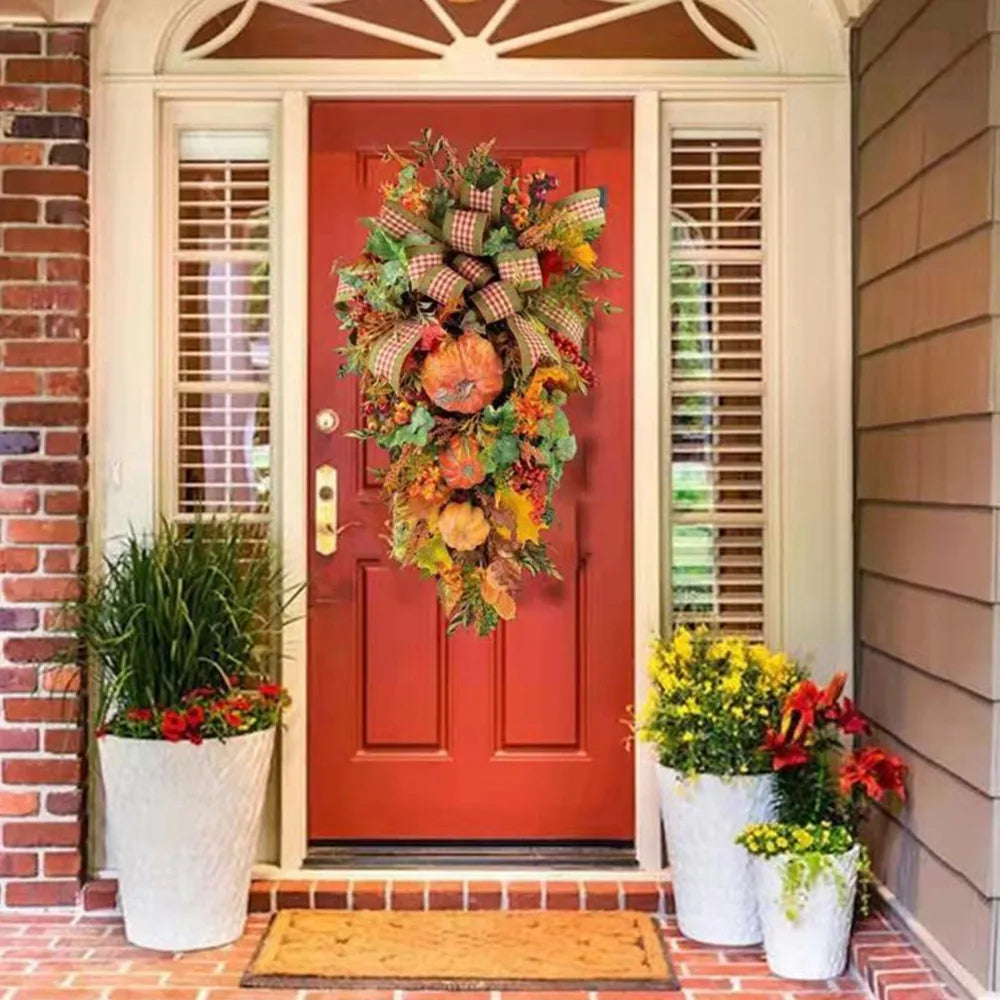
column 466, row 315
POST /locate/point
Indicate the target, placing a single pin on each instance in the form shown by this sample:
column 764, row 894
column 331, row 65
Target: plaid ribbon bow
column 465, row 230
column 521, row 269
column 497, row 301
column 400, row 222
column 532, row 343
column 478, row 272
column 486, row 200
column 585, row 206
column 423, row 257
column 557, row 317
column 389, row 353
column 441, row 284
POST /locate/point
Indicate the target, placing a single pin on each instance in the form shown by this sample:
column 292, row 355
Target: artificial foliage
column 467, row 314
column 713, row 700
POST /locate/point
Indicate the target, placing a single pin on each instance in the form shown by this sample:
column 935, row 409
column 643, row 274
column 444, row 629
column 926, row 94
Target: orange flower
column 875, row 773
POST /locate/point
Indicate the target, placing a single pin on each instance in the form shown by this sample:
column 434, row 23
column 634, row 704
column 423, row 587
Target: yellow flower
column 584, row 255
column 683, row 646
column 737, row 712
column 732, row 682
column 687, row 736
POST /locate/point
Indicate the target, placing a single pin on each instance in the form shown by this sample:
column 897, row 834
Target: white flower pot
column 712, row 875
column 811, row 942
column 184, row 821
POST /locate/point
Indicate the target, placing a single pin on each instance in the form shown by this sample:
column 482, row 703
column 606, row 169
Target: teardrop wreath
column 466, row 316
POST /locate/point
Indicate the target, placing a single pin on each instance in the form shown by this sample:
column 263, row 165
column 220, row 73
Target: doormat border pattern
column 252, row 980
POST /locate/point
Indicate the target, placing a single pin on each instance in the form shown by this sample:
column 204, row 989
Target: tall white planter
column 184, row 821
column 712, row 875
column 814, row 944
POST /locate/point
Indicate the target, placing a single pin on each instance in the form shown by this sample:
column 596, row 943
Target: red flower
column 431, row 334
column 139, row 714
column 848, row 719
column 875, row 773
column 194, row 735
column 172, row 725
column 784, row 752
column 202, row 692
column 798, row 715
column 239, row 702
column 194, row 716
column 551, row 263
column 831, row 693
column 272, row 692
column 234, row 719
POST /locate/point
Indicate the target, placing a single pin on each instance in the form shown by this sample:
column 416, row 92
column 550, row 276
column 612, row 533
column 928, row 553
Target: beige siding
column 928, row 452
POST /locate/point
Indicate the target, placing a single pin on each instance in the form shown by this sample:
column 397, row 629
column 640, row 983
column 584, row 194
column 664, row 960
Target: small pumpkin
column 460, row 463
column 463, row 527
column 463, row 375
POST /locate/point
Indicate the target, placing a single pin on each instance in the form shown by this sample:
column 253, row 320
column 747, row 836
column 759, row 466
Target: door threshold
column 387, row 855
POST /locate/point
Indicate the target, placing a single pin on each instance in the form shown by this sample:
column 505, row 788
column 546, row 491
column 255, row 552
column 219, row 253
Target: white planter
column 814, row 944
column 185, row 821
column 712, row 875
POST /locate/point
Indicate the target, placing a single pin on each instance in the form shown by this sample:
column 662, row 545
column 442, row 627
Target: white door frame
column 808, row 132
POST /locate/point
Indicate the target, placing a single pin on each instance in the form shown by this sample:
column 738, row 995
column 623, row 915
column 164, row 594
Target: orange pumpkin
column 463, row 375
column 460, row 464
column 463, row 527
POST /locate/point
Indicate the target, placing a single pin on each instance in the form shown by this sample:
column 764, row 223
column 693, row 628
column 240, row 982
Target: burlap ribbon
column 388, row 355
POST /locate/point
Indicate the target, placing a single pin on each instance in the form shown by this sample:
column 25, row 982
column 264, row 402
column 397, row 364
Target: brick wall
column 43, row 468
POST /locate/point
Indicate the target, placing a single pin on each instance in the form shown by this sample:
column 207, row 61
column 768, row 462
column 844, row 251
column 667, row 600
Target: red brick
column 23, row 740
column 41, row 297
column 35, row 354
column 41, row 771
column 62, row 443
column 41, row 893
column 47, row 182
column 19, row 210
column 369, row 896
column 18, row 619
column 20, row 98
column 18, row 269
column 67, row 269
column 562, row 896
column 18, row 560
column 66, row 42
column 55, row 473
column 18, row 803
column 42, row 531
column 259, row 899
column 21, row 154
column 602, row 895
column 45, row 239
column 67, row 70
column 292, row 895
column 445, row 896
column 44, row 414
column 407, row 896
column 18, row 865
column 61, row 864
column 61, row 561
column 19, row 384
column 64, row 502
column 63, row 803
column 643, row 896
column 63, row 326
column 16, row 327
column 18, row 680
column 330, row 896
column 58, row 620
column 100, row 894
column 64, row 741
column 45, row 709
column 18, row 501
column 67, row 100
column 484, row 896
column 20, row 41
column 524, row 895
column 41, row 834
column 66, row 383
column 36, row 649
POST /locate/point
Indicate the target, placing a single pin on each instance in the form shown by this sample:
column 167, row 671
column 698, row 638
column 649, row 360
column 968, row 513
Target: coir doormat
column 454, row 950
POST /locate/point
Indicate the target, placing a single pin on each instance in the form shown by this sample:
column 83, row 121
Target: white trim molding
column 802, row 102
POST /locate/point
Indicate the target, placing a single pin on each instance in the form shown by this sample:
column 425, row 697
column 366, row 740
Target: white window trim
column 810, row 180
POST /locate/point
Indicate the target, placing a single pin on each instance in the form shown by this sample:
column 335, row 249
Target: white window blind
column 716, row 379
column 222, row 306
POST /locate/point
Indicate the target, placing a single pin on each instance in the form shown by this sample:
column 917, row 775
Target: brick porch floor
column 87, row 958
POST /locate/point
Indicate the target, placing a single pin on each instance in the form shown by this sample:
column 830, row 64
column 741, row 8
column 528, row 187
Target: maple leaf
column 520, row 505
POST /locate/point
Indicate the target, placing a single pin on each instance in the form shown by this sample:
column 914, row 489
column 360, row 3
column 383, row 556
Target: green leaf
column 499, row 239
column 505, row 451
column 565, row 448
column 416, row 432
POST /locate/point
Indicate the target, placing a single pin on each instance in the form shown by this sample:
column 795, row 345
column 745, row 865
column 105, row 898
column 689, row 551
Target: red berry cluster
column 575, row 357
column 533, row 480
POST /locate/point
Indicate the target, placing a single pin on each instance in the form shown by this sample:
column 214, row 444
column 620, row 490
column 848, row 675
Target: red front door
column 521, row 736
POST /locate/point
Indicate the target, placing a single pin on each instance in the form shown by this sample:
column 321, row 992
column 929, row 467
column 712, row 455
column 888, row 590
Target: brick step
column 414, row 893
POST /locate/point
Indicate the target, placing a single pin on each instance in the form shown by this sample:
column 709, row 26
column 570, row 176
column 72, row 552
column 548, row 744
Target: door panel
column 519, row 736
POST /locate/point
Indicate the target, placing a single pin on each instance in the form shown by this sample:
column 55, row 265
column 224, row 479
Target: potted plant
column 712, row 701
column 182, row 627
column 809, row 862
